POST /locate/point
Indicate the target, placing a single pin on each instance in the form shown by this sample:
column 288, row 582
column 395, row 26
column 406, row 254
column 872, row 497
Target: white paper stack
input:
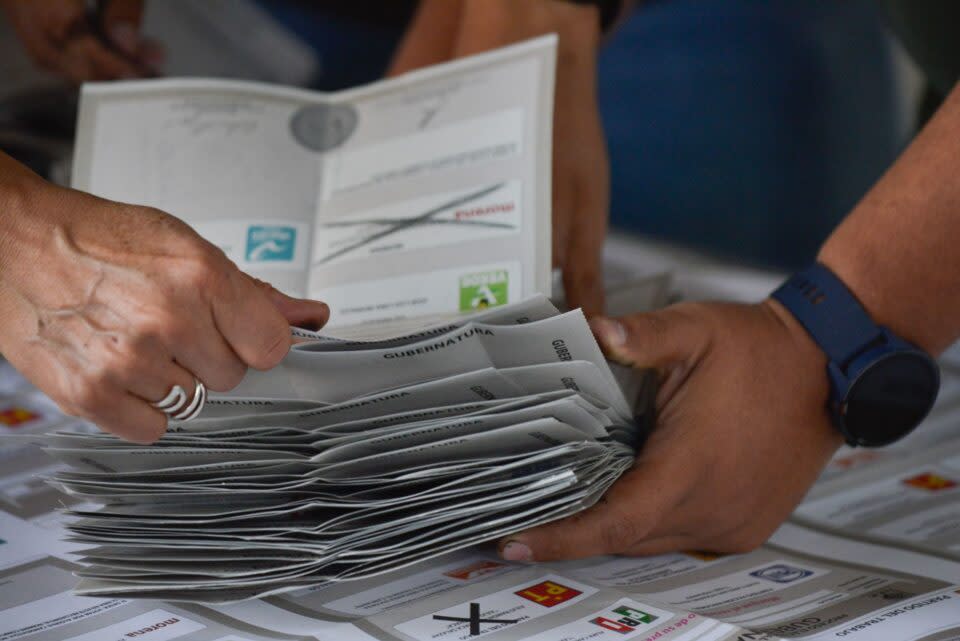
column 355, row 458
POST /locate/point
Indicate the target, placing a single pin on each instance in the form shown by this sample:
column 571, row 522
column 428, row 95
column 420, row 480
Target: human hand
column 105, row 306
column 61, row 37
column 444, row 29
column 742, row 432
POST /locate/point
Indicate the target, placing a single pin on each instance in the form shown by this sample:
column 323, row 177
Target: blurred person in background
column 742, row 126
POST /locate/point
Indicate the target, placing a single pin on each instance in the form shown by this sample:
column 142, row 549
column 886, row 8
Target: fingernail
column 610, row 331
column 125, row 37
column 516, row 551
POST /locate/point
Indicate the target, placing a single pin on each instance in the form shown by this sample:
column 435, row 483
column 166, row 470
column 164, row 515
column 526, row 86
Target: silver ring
column 175, row 404
column 193, row 410
column 173, row 401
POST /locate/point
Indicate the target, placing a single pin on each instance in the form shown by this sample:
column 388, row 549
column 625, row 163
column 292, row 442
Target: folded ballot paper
column 455, row 404
column 354, row 458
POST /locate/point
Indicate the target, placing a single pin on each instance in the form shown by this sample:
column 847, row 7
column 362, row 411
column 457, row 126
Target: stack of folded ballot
column 354, row 458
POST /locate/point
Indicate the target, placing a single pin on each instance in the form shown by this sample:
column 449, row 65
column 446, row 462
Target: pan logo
column 270, row 244
column 782, row 573
column 482, row 290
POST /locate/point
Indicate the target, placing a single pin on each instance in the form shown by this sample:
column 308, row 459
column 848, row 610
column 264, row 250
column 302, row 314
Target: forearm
column 446, row 29
column 430, row 38
column 899, row 250
column 486, row 24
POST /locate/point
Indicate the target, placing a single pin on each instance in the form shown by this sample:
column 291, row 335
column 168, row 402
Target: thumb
column 627, row 515
column 300, row 312
column 654, row 339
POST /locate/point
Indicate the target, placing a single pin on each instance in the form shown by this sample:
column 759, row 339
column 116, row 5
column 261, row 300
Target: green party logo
column 482, row 290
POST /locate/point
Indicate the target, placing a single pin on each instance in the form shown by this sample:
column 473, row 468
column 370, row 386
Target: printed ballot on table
column 448, row 403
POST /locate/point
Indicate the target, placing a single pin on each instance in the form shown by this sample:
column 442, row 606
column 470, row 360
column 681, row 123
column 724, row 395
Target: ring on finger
column 180, row 407
column 173, row 401
column 193, row 410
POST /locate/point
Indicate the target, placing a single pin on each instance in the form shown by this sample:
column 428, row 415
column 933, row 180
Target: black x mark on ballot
column 474, row 619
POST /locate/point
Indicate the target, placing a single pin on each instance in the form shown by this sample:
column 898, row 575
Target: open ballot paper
column 352, row 459
column 420, row 196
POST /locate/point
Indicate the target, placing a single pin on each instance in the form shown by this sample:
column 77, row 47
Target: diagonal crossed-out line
column 410, row 222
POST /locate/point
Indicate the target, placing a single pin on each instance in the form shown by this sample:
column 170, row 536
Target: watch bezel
column 866, row 364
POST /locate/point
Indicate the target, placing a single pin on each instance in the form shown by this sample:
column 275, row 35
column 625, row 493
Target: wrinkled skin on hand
column 105, row 306
column 742, row 432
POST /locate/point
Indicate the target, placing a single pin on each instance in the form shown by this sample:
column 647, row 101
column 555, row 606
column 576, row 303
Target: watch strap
column 829, row 312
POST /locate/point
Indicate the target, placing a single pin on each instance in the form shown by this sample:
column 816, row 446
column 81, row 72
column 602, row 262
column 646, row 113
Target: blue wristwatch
column 881, row 386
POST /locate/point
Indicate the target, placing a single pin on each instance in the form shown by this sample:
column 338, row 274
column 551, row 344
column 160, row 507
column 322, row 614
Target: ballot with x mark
column 401, row 224
column 474, row 619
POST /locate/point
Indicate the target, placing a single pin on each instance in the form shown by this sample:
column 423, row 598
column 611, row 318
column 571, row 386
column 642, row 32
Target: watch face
column 891, row 397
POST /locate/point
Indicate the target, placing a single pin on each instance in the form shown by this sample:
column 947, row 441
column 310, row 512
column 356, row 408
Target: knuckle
column 120, row 363
column 226, row 377
column 98, row 374
column 165, row 326
column 205, row 272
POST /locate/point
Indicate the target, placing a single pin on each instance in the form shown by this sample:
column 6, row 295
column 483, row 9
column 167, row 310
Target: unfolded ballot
column 355, row 458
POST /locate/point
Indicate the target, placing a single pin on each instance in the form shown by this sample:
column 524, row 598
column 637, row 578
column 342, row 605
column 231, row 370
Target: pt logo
column 266, row 244
column 548, row 594
column 482, row 290
column 782, row 573
column 930, row 482
column 17, row 416
column 475, row 620
column 625, row 620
